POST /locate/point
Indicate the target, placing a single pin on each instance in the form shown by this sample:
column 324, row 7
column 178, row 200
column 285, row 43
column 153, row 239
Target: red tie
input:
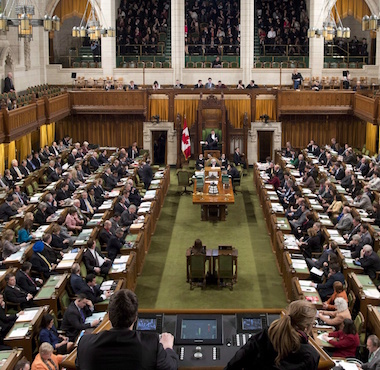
column 31, row 279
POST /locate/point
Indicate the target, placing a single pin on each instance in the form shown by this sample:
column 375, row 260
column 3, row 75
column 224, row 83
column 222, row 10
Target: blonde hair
column 45, row 348
column 8, row 235
column 283, row 333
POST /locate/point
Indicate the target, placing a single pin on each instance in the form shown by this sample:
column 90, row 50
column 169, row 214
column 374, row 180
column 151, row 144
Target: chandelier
column 370, row 23
column 330, row 29
column 92, row 27
column 19, row 13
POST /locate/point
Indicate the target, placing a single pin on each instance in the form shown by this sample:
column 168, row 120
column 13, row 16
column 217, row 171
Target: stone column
column 178, row 37
column 247, row 37
column 316, row 45
column 377, row 60
column 108, row 44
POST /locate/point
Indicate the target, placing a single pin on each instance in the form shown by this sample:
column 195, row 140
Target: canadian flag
column 185, row 145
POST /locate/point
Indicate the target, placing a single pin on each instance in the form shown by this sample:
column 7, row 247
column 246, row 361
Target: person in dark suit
column 63, row 193
column 140, row 349
column 71, row 157
column 39, row 262
column 6, row 320
column 200, row 163
column 25, row 281
column 109, row 181
column 212, row 140
column 94, row 261
column 132, row 86
column 146, row 174
column 86, row 205
column 105, row 234
column 14, row 294
column 115, row 244
column 133, row 151
column 92, row 291
column 102, row 159
column 75, row 316
column 370, row 261
column 6, row 210
column 8, row 83
column 238, row 158
column 54, row 175
column 76, row 281
column 199, row 85
column 94, row 162
column 128, row 216
column 373, row 345
column 36, row 160
column 24, row 168
column 326, row 289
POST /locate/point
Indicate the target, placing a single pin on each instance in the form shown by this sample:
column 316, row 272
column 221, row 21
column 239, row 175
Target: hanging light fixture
column 92, row 27
column 330, row 29
column 371, row 23
column 24, row 11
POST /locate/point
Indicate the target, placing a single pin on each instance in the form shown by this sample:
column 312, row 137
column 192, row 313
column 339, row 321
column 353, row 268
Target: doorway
column 264, row 148
column 159, row 139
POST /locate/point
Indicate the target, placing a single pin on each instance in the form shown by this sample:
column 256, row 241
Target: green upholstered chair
column 184, row 179
column 197, row 271
column 207, row 132
column 225, row 270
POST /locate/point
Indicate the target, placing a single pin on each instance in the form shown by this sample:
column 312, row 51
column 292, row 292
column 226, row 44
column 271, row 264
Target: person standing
column 8, row 83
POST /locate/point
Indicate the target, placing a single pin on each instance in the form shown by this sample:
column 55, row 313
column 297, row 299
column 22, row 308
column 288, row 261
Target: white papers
column 19, row 332
column 315, row 271
column 28, row 315
column 106, row 285
column 69, row 256
column 114, row 193
column 304, row 283
column 155, row 182
column 372, row 292
column 95, row 316
column 121, row 259
column 346, row 365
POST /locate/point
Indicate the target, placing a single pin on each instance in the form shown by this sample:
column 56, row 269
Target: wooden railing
column 57, row 107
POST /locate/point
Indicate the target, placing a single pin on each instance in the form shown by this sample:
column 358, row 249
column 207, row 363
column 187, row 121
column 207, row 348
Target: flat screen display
column 193, row 329
column 252, row 324
column 149, row 324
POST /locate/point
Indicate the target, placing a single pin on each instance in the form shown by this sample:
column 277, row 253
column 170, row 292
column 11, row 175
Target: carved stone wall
column 253, row 138
column 171, row 144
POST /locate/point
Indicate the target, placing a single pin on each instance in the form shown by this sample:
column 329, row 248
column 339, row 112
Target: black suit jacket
column 90, row 261
column 6, row 322
column 53, row 176
column 8, row 85
column 70, row 159
column 113, row 247
column 104, row 236
column 94, row 163
column 39, row 265
column 15, row 295
column 102, row 159
column 24, row 170
column 6, row 211
column 73, row 323
column 77, row 283
column 115, row 348
column 25, row 284
column 36, row 162
column 110, row 182
column 14, row 174
column 94, row 294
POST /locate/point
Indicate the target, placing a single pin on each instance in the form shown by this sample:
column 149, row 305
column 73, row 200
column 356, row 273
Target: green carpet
column 163, row 280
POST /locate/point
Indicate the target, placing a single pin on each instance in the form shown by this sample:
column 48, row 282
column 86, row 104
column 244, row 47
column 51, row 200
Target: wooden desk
column 301, row 292
column 103, row 306
column 66, row 264
column 51, row 291
column 373, row 320
column 129, row 273
column 8, row 359
column 214, row 203
column 26, row 341
column 17, row 259
column 211, row 257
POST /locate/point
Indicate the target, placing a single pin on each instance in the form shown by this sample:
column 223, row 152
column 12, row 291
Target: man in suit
column 54, row 175
column 115, row 244
column 25, row 281
column 76, row 281
column 238, row 159
column 346, row 221
column 8, row 83
column 24, row 168
column 212, row 140
column 85, row 204
column 199, row 85
column 14, row 294
column 54, row 149
column 109, row 181
column 373, row 345
column 95, row 262
column 75, row 316
column 115, row 221
column 146, row 174
column 128, row 216
column 105, row 234
column 133, row 151
column 200, row 163
column 132, row 86
column 36, row 160
column 356, row 222
column 102, row 159
column 20, row 195
column 6, row 210
column 140, row 349
column 94, row 162
column 325, row 290
column 370, row 261
column 3, row 183
column 338, row 171
column 313, row 148
column 178, row 85
column 6, row 320
column 71, row 158
column 92, row 291
column 209, row 84
column 296, row 223
column 15, row 171
column 29, row 163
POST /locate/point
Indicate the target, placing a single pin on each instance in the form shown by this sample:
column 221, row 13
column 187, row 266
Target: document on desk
column 19, row 332
column 346, row 365
column 121, row 259
column 372, row 292
column 95, row 316
column 106, row 285
column 28, row 315
column 315, row 271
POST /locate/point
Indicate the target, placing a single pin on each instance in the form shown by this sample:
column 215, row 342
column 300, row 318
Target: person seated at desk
column 14, row 294
column 312, row 243
column 52, row 255
column 60, row 241
column 339, row 292
column 326, row 289
column 115, row 244
column 49, row 334
column 72, row 221
column 198, row 248
column 6, row 321
column 140, row 349
column 6, row 210
column 46, row 360
column 129, row 216
column 373, row 346
column 105, row 234
column 212, row 140
column 25, row 281
column 95, row 262
column 22, row 365
column 200, row 163
column 345, row 341
column 75, row 316
column 76, row 281
column 39, row 262
column 283, row 346
column 336, row 318
column 86, row 205
column 92, row 291
column 370, row 261
column 41, row 217
column 7, row 246
column 233, row 171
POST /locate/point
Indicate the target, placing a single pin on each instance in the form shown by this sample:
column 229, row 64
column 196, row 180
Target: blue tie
column 82, row 314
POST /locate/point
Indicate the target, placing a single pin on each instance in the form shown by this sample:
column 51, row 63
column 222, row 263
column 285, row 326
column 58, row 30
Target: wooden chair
column 225, row 269
column 184, row 179
column 351, row 301
column 197, row 271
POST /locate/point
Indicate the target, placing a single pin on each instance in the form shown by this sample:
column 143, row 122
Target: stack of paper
column 372, row 293
column 106, row 285
column 27, row 315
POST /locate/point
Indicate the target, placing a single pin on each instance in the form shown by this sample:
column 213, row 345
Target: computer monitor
column 199, row 329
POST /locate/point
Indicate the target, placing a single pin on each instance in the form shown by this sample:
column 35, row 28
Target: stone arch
column 52, row 4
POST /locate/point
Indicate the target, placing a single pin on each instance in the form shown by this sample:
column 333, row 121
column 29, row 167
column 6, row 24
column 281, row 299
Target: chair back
column 359, row 325
column 225, row 266
column 183, row 178
column 64, row 301
column 351, row 301
column 197, row 266
column 83, row 269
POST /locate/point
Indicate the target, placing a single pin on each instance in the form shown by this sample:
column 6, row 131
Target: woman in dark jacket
column 284, row 346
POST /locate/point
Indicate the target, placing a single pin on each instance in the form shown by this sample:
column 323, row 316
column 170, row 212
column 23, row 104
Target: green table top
column 46, row 292
column 4, row 355
column 52, row 281
column 352, row 266
column 365, row 281
column 314, row 297
column 131, row 237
